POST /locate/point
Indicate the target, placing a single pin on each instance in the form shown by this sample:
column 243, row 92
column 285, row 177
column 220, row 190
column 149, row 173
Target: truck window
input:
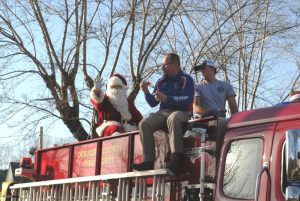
column 243, row 163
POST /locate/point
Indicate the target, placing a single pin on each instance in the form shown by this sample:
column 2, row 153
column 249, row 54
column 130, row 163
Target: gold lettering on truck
column 111, row 149
column 86, row 153
column 107, row 160
column 89, row 163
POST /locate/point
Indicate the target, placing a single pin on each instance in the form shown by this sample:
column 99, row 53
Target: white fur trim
column 114, row 80
column 104, row 125
column 97, row 95
column 116, row 133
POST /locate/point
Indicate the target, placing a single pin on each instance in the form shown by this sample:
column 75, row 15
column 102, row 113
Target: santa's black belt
column 128, row 122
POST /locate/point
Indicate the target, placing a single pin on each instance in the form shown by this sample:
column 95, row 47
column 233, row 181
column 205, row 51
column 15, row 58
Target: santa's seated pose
column 116, row 114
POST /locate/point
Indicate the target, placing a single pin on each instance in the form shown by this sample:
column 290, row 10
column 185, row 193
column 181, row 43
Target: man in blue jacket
column 174, row 92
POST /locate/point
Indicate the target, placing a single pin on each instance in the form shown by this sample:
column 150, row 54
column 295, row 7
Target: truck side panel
column 55, row 163
column 84, row 159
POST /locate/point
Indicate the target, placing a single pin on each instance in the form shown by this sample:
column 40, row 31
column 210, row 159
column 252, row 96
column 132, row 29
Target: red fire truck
column 254, row 155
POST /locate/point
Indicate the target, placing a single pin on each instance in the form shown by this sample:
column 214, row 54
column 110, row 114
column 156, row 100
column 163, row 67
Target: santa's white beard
column 118, row 98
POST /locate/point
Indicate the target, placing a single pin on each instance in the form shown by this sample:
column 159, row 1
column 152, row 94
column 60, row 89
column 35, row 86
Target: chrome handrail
column 257, row 186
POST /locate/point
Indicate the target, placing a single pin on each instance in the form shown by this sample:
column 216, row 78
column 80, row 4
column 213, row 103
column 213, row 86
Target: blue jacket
column 179, row 91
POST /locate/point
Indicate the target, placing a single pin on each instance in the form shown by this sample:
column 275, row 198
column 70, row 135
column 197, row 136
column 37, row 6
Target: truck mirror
column 292, row 193
column 292, row 153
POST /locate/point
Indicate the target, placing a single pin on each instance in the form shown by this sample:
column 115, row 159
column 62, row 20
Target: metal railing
column 119, row 187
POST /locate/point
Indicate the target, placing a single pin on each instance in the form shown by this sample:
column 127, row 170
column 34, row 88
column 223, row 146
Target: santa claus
column 116, row 114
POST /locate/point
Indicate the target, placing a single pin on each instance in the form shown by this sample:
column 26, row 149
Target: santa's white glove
column 98, row 83
column 116, row 133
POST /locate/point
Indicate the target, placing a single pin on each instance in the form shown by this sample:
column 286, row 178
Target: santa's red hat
column 117, row 79
column 294, row 95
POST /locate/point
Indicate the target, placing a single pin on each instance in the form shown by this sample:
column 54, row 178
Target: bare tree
column 48, row 43
column 45, row 57
column 50, row 51
column 239, row 36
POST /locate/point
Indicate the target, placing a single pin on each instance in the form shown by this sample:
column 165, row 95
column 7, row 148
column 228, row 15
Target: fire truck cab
column 260, row 155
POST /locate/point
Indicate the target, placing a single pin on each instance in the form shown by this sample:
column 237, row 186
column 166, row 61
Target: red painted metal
column 114, row 158
column 54, row 163
column 115, row 154
column 265, row 115
column 84, row 160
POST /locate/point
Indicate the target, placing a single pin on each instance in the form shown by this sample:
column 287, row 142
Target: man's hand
column 159, row 96
column 98, row 83
column 144, row 86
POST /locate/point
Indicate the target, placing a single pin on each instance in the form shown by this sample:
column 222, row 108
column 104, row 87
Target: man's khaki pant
column 162, row 120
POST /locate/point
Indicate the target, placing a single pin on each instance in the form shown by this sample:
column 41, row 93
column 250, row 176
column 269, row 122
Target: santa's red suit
column 116, row 114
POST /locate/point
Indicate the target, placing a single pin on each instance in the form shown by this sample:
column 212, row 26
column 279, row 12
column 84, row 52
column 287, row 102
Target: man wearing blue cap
column 211, row 94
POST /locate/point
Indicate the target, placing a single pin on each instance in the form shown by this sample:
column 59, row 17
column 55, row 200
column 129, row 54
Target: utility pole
column 41, row 138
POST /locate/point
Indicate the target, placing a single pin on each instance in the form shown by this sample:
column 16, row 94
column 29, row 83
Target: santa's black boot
column 176, row 160
column 146, row 165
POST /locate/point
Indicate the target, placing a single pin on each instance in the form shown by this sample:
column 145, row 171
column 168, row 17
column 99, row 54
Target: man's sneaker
column 176, row 160
column 146, row 165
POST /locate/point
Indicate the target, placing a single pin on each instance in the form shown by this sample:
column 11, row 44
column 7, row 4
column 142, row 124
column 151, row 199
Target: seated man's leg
column 175, row 126
column 148, row 125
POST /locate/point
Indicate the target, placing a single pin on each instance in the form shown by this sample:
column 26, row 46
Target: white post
column 202, row 167
column 41, row 138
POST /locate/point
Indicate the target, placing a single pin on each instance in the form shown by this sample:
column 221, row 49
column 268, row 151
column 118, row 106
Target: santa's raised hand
column 98, row 83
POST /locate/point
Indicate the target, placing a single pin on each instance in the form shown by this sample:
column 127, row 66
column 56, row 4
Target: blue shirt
column 179, row 91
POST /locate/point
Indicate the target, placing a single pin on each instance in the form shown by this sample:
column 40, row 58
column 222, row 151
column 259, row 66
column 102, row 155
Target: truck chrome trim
column 292, row 193
column 292, row 155
column 95, row 178
column 257, row 186
column 94, row 187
